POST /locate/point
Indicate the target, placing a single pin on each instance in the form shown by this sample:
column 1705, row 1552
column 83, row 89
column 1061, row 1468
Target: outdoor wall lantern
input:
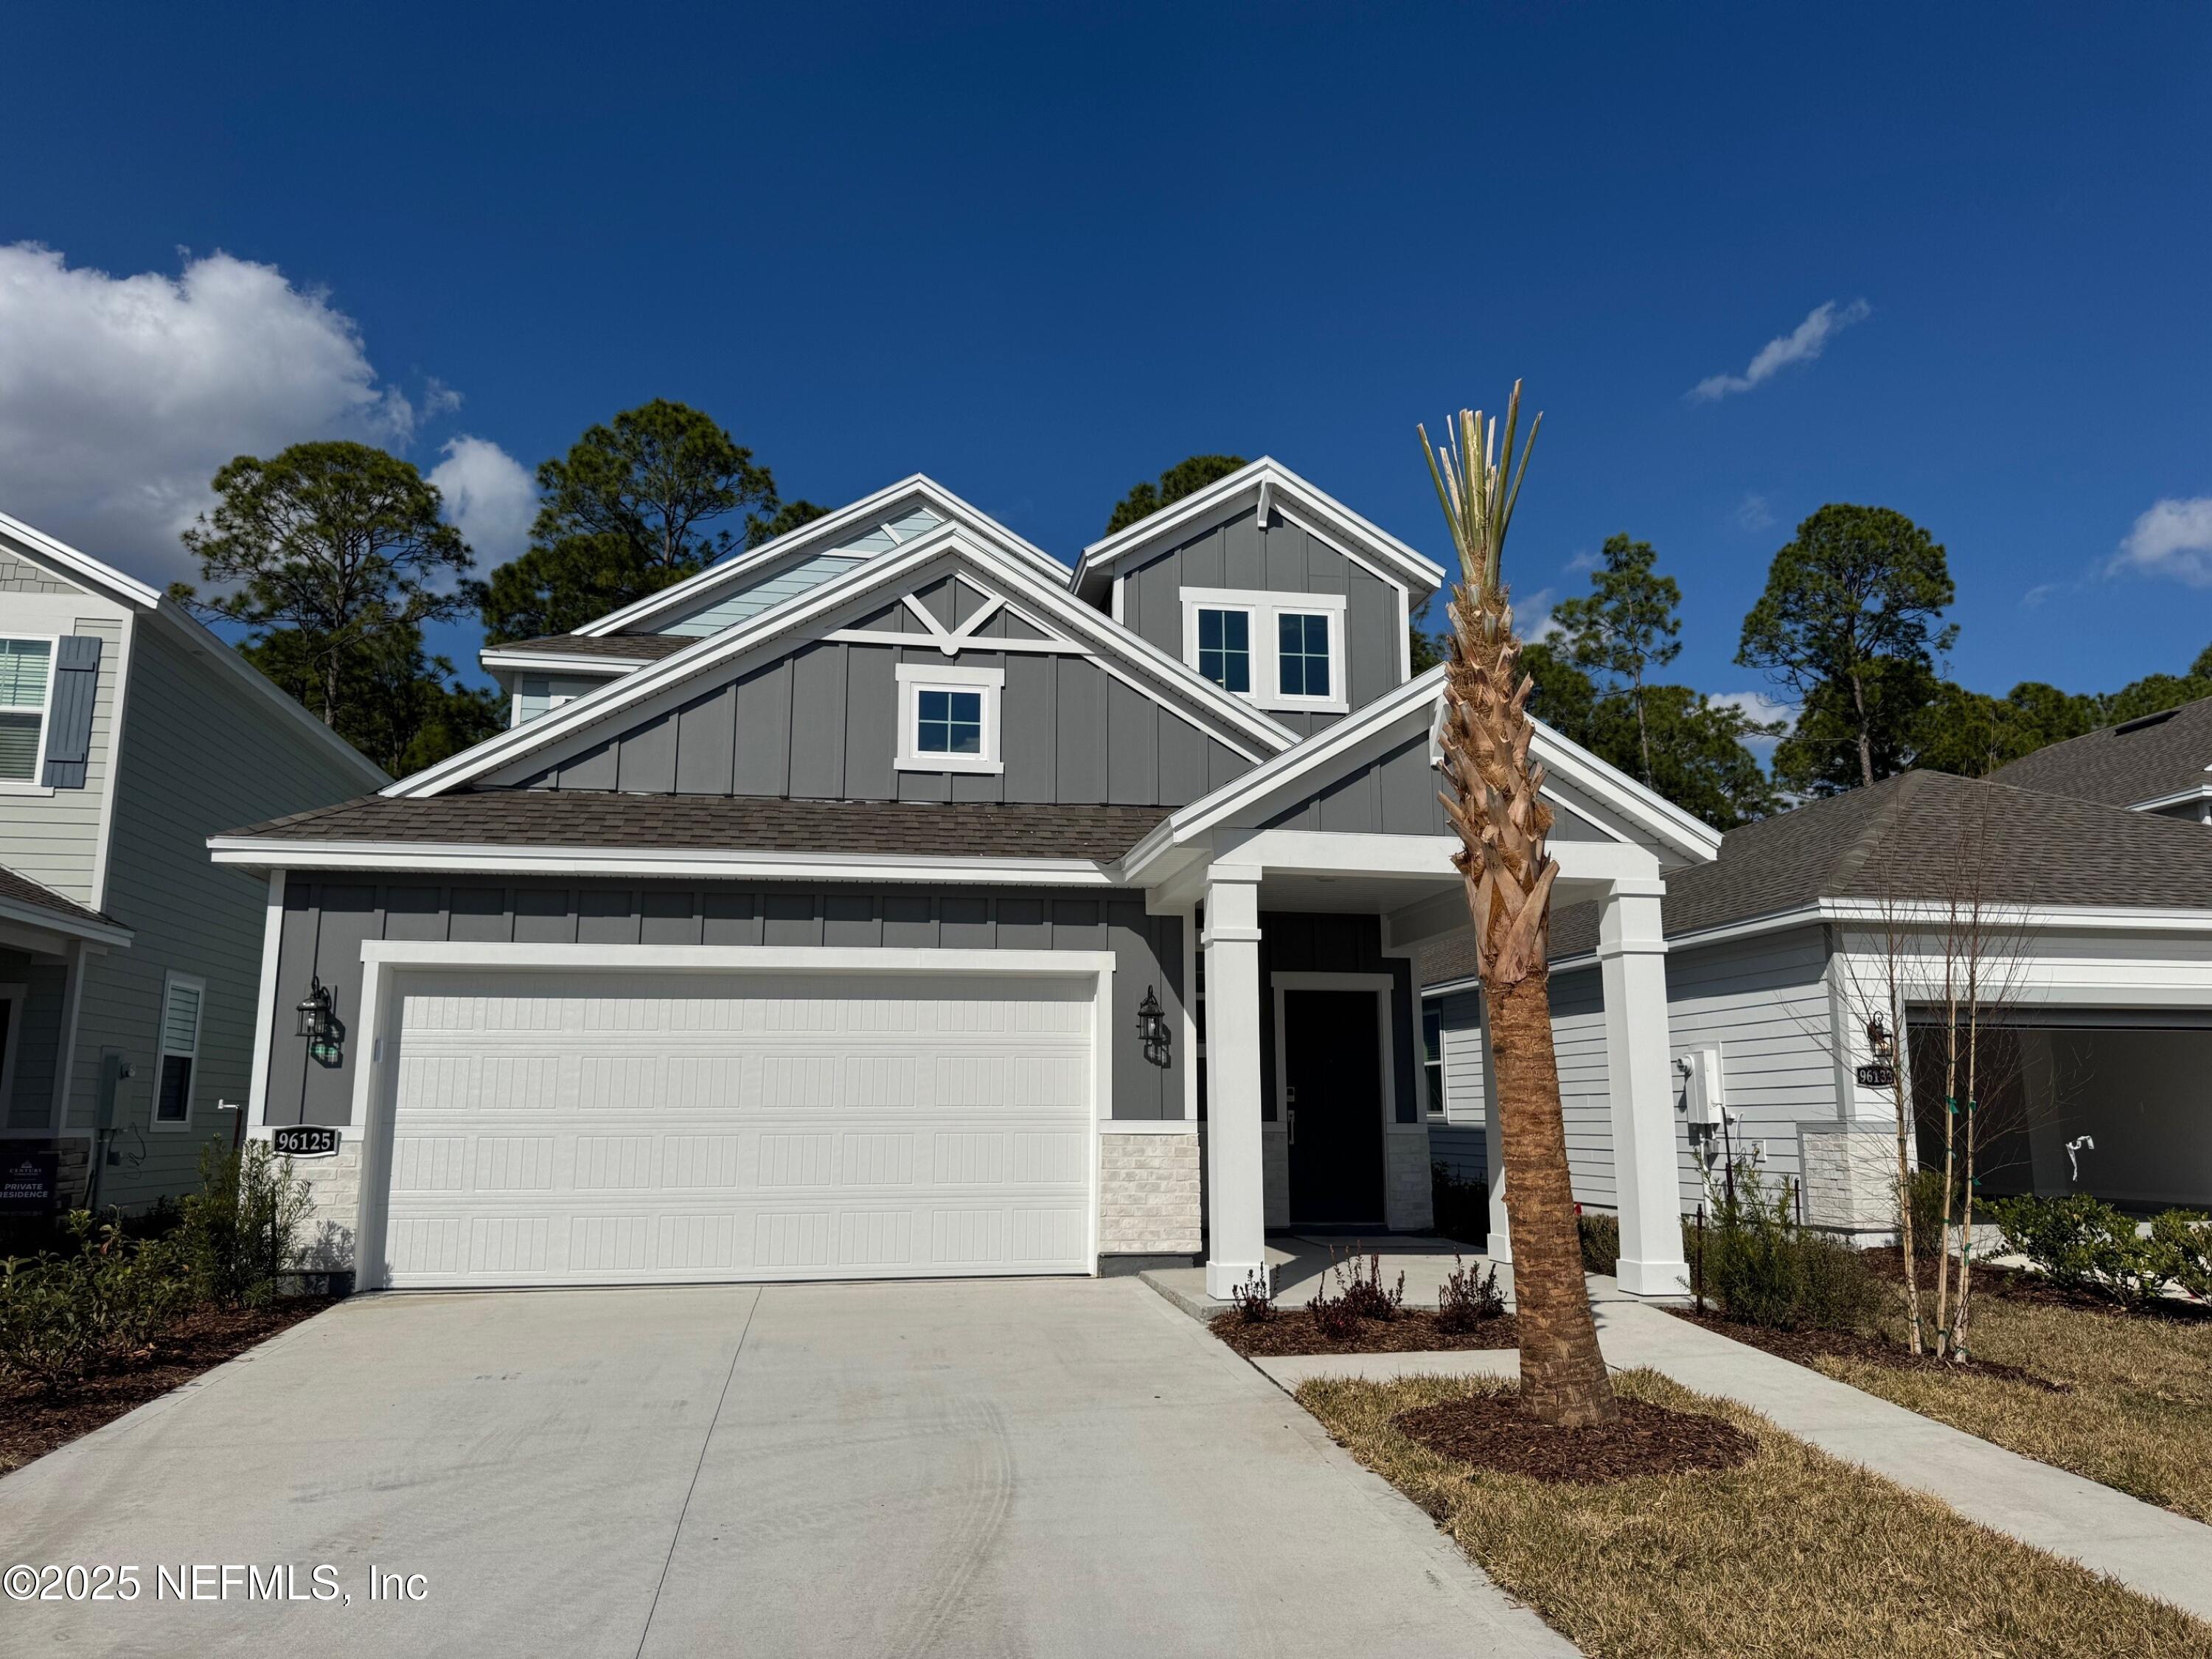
column 1152, row 1027
column 1878, row 1040
column 318, row 1022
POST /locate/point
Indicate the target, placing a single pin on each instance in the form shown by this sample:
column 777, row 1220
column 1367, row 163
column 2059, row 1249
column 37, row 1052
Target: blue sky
column 1043, row 252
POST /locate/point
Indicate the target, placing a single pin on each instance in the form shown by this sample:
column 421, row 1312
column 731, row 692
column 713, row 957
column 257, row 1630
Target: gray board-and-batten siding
column 326, row 923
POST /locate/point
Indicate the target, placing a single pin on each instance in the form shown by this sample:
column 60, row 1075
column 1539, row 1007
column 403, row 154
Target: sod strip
column 1793, row 1552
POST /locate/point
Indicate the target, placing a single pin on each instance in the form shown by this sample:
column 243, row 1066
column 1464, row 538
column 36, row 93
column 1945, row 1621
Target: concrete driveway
column 1023, row 1467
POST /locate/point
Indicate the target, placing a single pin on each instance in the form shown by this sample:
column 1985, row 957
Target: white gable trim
column 1348, row 743
column 552, row 662
column 1265, row 484
column 82, row 567
column 820, row 536
column 640, row 694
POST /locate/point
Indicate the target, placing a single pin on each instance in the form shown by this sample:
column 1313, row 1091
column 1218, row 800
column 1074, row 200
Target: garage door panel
column 683, row 1129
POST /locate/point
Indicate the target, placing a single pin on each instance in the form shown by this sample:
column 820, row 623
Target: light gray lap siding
column 1283, row 558
column 822, row 723
column 325, row 924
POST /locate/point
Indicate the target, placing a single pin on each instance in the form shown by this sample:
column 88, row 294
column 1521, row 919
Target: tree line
column 334, row 555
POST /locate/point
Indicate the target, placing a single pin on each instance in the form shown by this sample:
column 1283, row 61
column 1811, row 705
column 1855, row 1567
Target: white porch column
column 1237, row 1207
column 1632, row 958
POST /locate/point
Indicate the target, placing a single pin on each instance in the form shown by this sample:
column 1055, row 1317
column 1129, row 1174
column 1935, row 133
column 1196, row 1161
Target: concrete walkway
column 1018, row 1466
column 2147, row 1548
column 1301, row 1263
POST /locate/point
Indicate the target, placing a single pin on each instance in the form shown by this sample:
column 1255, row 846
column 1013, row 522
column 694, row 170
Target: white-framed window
column 948, row 718
column 1432, row 1053
column 27, row 695
column 1281, row 650
column 182, row 999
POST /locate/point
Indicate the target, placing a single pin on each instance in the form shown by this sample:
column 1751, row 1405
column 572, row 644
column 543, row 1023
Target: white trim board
column 476, row 858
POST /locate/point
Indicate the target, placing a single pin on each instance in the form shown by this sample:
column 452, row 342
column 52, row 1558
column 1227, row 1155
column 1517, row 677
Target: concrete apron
column 1038, row 1467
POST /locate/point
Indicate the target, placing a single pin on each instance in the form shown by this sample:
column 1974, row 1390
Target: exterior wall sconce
column 1879, row 1042
column 1152, row 1027
column 319, row 1023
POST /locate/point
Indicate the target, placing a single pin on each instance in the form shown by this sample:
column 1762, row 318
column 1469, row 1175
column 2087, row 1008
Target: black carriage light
column 316, row 1021
column 1878, row 1040
column 1152, row 1027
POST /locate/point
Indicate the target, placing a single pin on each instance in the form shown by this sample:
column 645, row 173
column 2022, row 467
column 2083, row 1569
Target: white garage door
column 636, row 1127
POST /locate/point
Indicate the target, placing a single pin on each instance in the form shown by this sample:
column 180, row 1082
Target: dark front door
column 1333, row 1078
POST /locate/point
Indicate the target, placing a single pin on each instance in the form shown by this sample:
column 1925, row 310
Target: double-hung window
column 181, row 1000
column 1432, row 1052
column 1284, row 651
column 948, row 718
column 26, row 679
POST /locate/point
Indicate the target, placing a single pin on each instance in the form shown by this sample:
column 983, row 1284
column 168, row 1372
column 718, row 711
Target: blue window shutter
column 68, row 727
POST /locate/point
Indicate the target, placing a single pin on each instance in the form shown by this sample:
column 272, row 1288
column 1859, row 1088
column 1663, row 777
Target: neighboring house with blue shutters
column 128, row 965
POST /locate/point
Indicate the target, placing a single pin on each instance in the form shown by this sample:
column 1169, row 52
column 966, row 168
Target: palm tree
column 1501, row 821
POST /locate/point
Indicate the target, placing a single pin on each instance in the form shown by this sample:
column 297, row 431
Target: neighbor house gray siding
column 201, row 753
column 822, row 723
column 325, row 924
column 1292, row 942
column 1279, row 559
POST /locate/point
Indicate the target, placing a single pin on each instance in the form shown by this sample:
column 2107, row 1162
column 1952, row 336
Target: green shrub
column 2082, row 1244
column 1924, row 1201
column 1462, row 1205
column 1760, row 1267
column 241, row 1229
column 64, row 1315
column 2184, row 1238
column 1601, row 1236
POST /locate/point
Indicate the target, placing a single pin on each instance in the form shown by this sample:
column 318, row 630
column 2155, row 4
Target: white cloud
column 2036, row 595
column 120, row 395
column 1533, row 613
column 1757, row 706
column 1583, row 561
column 489, row 496
column 1800, row 345
column 2174, row 538
column 1753, row 514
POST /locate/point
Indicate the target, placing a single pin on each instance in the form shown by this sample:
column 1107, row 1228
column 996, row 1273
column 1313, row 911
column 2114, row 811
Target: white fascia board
column 196, row 636
column 1286, row 490
column 632, row 694
column 478, row 857
column 1690, row 836
column 495, row 658
column 2179, row 797
column 724, row 959
column 820, row 535
column 105, row 577
column 42, row 921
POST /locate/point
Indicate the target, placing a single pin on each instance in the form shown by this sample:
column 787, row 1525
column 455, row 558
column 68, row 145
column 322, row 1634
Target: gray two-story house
column 894, row 900
column 130, row 966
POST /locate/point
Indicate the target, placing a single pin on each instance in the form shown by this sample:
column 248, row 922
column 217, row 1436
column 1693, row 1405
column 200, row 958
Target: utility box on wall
column 1704, row 1097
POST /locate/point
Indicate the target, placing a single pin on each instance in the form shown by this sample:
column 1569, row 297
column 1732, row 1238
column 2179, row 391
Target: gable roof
column 1410, row 710
column 190, row 632
column 861, row 529
column 1171, row 682
column 1267, row 485
column 1917, row 838
column 602, row 653
column 2159, row 758
column 37, row 905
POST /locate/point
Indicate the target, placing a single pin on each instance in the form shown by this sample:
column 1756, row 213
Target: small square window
column 1304, row 641
column 948, row 723
column 1224, row 648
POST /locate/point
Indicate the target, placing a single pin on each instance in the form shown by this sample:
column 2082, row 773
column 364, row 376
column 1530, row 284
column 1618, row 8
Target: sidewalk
column 2148, row 1549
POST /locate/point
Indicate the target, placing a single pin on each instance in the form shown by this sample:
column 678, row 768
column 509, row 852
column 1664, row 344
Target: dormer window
column 948, row 718
column 1284, row 651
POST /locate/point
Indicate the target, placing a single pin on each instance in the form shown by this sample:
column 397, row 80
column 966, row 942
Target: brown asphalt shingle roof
column 604, row 819
column 635, row 648
column 22, row 890
column 2120, row 765
column 1922, row 837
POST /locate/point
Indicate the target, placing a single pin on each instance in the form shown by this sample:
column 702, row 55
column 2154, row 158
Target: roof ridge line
column 1872, row 834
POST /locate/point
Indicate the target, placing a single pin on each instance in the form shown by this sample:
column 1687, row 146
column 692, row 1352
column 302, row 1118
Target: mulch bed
column 1492, row 1431
column 1803, row 1347
column 1414, row 1331
column 2021, row 1285
column 31, row 1425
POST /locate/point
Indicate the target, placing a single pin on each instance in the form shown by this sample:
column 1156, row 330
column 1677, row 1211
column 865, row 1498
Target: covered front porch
column 1309, row 886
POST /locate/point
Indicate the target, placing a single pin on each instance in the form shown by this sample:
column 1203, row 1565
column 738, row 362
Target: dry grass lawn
column 1791, row 1553
column 2138, row 1416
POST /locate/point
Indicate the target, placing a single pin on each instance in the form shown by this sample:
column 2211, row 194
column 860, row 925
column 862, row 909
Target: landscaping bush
column 2082, row 1245
column 1356, row 1296
column 1253, row 1300
column 1601, row 1236
column 1760, row 1267
column 64, row 1315
column 1465, row 1301
column 241, row 1229
column 2185, row 1238
column 1462, row 1205
column 1924, row 1201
